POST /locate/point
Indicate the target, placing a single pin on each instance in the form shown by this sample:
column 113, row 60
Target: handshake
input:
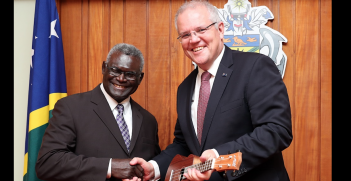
column 136, row 169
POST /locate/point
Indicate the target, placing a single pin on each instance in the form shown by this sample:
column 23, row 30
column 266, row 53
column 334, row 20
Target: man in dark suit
column 248, row 107
column 94, row 135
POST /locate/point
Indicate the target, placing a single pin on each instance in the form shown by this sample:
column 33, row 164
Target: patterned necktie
column 122, row 125
column 202, row 105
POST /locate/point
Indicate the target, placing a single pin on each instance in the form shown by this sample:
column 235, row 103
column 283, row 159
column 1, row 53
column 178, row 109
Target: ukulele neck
column 202, row 167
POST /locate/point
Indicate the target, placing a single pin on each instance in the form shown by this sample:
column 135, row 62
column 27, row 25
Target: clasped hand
column 121, row 169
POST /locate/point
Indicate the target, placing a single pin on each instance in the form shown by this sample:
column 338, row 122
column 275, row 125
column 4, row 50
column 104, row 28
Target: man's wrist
column 157, row 175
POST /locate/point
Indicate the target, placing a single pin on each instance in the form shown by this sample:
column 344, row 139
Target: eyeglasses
column 114, row 71
column 200, row 30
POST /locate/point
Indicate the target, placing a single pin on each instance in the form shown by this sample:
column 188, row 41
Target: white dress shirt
column 212, row 70
column 127, row 115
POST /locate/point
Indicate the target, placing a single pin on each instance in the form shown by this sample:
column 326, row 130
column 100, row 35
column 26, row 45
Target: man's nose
column 121, row 77
column 194, row 37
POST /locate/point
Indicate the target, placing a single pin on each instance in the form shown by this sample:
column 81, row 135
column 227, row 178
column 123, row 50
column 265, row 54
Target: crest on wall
column 245, row 30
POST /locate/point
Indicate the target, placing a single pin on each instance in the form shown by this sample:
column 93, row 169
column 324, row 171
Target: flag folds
column 47, row 82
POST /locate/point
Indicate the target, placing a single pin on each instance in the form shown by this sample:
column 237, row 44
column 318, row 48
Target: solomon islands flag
column 47, row 82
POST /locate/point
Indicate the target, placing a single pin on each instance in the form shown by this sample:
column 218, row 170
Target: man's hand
column 134, row 179
column 194, row 174
column 149, row 172
column 121, row 169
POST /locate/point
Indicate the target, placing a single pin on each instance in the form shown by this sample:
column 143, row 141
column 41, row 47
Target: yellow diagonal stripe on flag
column 54, row 97
column 40, row 116
column 25, row 163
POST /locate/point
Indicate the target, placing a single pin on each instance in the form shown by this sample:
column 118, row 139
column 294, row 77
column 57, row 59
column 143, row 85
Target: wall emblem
column 245, row 30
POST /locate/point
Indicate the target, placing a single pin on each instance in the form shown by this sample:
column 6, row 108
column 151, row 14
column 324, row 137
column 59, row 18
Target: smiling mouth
column 197, row 49
column 118, row 86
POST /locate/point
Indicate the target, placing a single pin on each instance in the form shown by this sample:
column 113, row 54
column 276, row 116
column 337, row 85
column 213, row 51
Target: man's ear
column 103, row 67
column 221, row 29
column 141, row 77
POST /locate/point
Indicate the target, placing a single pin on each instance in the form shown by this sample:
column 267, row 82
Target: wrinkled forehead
column 122, row 60
column 193, row 18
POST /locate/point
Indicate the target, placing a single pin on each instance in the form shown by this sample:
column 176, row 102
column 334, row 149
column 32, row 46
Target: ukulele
column 180, row 165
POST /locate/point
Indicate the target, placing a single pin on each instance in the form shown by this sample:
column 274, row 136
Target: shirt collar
column 214, row 67
column 113, row 103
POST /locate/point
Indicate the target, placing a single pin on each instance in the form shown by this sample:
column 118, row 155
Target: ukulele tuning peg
column 238, row 151
column 229, row 152
column 225, row 175
column 234, row 173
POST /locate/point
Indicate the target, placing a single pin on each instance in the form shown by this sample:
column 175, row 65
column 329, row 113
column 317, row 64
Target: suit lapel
column 103, row 110
column 184, row 106
column 221, row 79
column 137, row 122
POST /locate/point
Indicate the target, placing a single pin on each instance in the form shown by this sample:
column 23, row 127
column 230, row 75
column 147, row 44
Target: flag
column 47, row 83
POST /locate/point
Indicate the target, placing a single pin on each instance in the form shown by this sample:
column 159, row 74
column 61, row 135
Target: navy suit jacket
column 83, row 135
column 248, row 110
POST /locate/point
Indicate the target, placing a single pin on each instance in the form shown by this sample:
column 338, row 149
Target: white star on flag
column 53, row 31
column 31, row 60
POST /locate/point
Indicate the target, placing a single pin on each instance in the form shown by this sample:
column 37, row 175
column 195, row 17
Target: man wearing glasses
column 240, row 104
column 94, row 135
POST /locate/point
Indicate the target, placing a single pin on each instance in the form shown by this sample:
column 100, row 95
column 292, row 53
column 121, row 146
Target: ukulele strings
column 206, row 164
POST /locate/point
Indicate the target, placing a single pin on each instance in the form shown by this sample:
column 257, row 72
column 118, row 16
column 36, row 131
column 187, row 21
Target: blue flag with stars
column 47, row 82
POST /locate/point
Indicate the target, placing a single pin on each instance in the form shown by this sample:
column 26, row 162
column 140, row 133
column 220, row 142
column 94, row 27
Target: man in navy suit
column 84, row 141
column 248, row 108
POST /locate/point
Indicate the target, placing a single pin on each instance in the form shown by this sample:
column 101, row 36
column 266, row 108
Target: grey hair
column 127, row 49
column 212, row 10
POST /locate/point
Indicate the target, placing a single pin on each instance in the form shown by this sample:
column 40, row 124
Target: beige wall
column 23, row 32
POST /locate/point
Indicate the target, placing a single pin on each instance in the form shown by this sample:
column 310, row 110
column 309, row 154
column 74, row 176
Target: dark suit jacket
column 83, row 135
column 248, row 110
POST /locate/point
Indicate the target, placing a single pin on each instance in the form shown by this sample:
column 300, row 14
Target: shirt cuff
column 109, row 169
column 156, row 170
column 217, row 155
